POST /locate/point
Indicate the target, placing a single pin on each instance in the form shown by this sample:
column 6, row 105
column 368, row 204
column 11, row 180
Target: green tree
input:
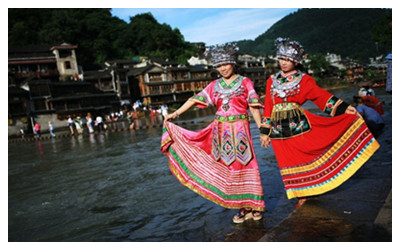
column 24, row 25
column 317, row 63
column 343, row 31
column 98, row 34
column 162, row 41
column 382, row 33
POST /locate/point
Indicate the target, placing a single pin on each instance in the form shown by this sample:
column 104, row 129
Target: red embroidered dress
column 315, row 154
column 218, row 162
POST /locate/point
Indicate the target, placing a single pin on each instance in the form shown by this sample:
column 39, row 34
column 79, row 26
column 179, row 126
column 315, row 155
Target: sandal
column 257, row 215
column 301, row 202
column 243, row 215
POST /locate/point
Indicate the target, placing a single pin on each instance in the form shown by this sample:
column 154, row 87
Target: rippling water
column 110, row 187
column 118, row 187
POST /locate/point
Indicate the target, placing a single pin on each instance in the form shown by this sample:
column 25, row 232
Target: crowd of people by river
column 130, row 118
column 365, row 100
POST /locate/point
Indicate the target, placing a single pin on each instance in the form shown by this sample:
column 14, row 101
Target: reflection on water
column 118, row 187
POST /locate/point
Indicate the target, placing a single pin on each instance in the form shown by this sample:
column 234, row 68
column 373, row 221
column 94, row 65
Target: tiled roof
column 29, row 52
column 139, row 71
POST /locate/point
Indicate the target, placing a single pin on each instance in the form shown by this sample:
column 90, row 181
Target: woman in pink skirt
column 218, row 162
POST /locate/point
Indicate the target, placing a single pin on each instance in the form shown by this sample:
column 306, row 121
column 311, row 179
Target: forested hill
column 355, row 33
column 98, row 34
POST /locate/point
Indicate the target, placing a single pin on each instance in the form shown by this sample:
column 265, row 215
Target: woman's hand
column 352, row 111
column 171, row 116
column 265, row 140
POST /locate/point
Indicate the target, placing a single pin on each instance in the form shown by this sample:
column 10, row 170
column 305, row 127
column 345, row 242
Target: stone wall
column 43, row 120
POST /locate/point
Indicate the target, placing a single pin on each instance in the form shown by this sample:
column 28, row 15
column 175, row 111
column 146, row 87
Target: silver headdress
column 222, row 54
column 289, row 50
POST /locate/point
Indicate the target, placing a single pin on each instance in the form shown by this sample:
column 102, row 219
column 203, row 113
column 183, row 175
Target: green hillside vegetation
column 354, row 33
column 98, row 34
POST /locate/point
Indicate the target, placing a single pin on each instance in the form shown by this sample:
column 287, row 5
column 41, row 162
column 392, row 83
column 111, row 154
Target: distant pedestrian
column 135, row 106
column 78, row 125
column 363, row 91
column 89, row 123
column 130, row 120
column 22, row 133
column 71, row 125
column 389, row 73
column 100, row 124
column 37, row 129
column 372, row 102
column 372, row 118
column 370, row 91
column 51, row 129
column 164, row 110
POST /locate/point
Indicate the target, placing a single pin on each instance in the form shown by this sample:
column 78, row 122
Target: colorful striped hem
column 332, row 152
column 199, row 172
column 343, row 175
column 210, row 192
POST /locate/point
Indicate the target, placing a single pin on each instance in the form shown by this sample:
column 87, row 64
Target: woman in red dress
column 315, row 154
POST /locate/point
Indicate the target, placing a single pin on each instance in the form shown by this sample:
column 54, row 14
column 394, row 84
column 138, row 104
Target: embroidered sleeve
column 335, row 106
column 327, row 102
column 265, row 126
column 204, row 98
column 254, row 101
column 252, row 97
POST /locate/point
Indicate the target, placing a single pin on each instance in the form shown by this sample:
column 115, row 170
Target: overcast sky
column 212, row 25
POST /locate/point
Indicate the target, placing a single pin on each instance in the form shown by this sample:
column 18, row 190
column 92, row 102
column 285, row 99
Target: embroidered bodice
column 226, row 92
column 230, row 99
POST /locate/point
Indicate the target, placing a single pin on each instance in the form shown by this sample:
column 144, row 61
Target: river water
column 118, row 187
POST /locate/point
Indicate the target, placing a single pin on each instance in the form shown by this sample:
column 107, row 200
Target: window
column 65, row 53
column 155, row 77
column 67, row 65
column 39, row 105
column 39, row 90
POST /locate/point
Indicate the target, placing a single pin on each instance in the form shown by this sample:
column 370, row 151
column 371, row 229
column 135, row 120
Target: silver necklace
column 284, row 89
column 227, row 91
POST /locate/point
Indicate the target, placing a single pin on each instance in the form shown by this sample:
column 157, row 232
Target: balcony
column 46, row 73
